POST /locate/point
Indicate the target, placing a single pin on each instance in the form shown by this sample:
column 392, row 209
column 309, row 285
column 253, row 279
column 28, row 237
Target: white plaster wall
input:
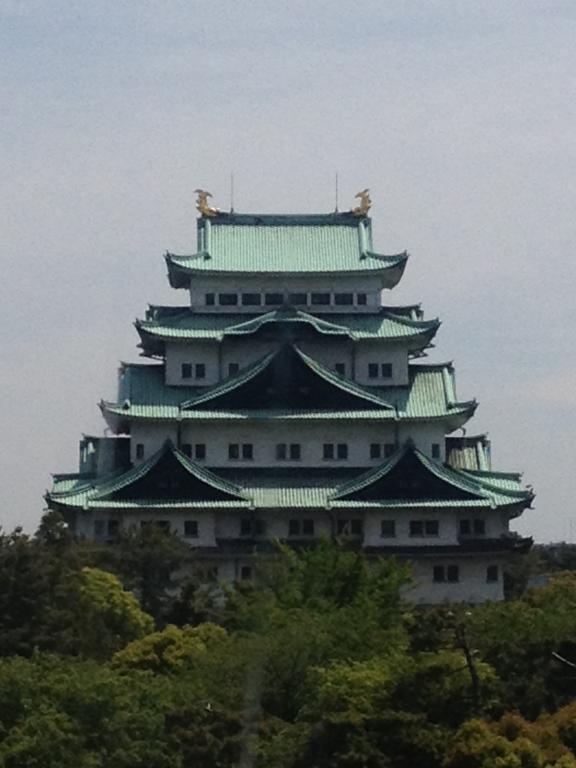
column 424, row 435
column 134, row 518
column 275, row 521
column 472, row 587
column 200, row 352
column 265, row 435
column 376, row 352
column 201, row 285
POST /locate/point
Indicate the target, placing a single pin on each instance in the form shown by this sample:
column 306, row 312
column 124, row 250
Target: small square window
column 416, row 528
column 342, row 451
column 372, row 370
column 245, row 573
column 452, row 573
column 343, row 299
column 228, row 299
column 386, row 370
column 389, row 450
column 431, row 527
column 388, row 529
column 435, row 450
column 233, row 369
column 186, row 370
column 251, row 299
column 200, row 371
column 293, row 527
column 273, row 299
column 247, row 451
column 210, row 299
column 200, row 451
column 139, row 450
column 479, row 526
column 320, row 298
column 113, row 528
column 340, row 369
column 375, row 451
column 328, row 451
column 294, row 451
column 162, row 525
column 187, row 450
column 361, row 299
column 492, row 574
column 308, row 527
column 281, row 452
column 298, row 298
column 233, row 451
column 438, row 573
column 465, row 528
column 191, row 529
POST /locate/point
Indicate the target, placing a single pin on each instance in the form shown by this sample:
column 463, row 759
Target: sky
column 460, row 116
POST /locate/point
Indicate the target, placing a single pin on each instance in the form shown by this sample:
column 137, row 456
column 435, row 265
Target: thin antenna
column 336, row 193
column 232, row 192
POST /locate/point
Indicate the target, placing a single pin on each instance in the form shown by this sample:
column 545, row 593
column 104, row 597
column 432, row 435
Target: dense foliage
column 122, row 657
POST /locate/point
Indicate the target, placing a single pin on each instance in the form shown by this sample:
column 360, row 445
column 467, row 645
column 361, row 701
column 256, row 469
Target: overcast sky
column 460, row 116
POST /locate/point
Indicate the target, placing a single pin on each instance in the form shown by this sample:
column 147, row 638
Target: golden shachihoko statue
column 202, row 205
column 365, row 203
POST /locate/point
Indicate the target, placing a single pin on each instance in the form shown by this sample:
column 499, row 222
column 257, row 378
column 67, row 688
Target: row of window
column 303, row 298
column 287, row 451
column 305, row 527
column 451, row 574
column 197, row 371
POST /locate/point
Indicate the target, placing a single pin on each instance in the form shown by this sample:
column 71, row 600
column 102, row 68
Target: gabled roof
column 281, row 244
column 428, row 396
column 168, row 475
column 187, row 325
column 412, row 476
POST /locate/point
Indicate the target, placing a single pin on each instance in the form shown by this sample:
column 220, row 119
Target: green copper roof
column 245, row 243
column 385, row 325
column 429, row 395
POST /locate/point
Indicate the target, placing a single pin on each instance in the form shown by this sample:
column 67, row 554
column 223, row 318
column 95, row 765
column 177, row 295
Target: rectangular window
column 293, row 527
column 452, row 573
column 210, row 299
column 343, row 299
column 245, row 573
column 386, row 370
column 247, row 451
column 492, row 573
column 295, row 452
column 479, row 526
column 435, row 450
column 438, row 573
column 308, row 527
column 274, row 299
column 388, row 529
column 465, row 528
column 251, row 299
column 320, row 298
column 187, row 450
column 233, row 451
column 328, row 451
column 361, row 299
column 372, row 370
column 139, row 450
column 389, row 450
column 342, row 451
column 349, row 527
column 340, row 368
column 233, row 369
column 245, row 526
column 281, row 452
column 200, row 371
column 113, row 528
column 191, row 529
column 186, row 370
column 228, row 299
column 99, row 528
column 200, row 451
column 416, row 527
column 431, row 527
column 375, row 451
column 298, row 298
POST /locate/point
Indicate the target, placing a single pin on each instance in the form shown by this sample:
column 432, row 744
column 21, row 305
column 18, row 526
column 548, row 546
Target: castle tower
column 286, row 402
